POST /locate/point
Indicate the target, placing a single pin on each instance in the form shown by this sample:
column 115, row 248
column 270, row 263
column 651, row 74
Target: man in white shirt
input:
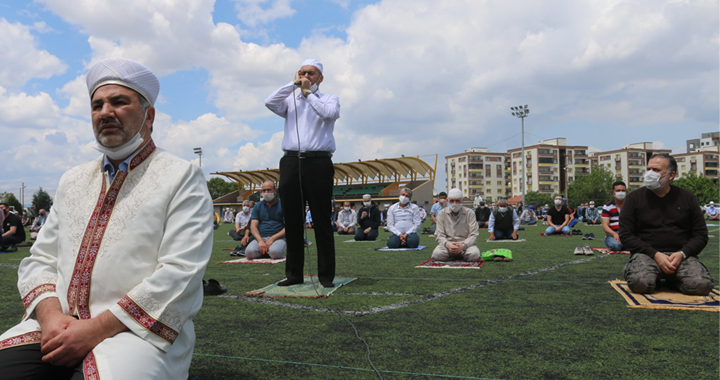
column 504, row 222
column 308, row 144
column 711, row 212
column 346, row 220
column 404, row 222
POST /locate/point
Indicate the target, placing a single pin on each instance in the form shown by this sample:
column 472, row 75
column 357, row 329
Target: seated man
column 13, row 230
column 592, row 216
column 368, row 220
column 545, row 215
column 663, row 227
column 216, row 220
column 346, row 220
column 267, row 227
column 404, row 222
column 26, row 219
column 242, row 222
column 711, row 213
column 558, row 218
column 435, row 209
column 39, row 221
column 457, row 232
column 482, row 215
column 528, row 217
column 611, row 216
column 504, row 222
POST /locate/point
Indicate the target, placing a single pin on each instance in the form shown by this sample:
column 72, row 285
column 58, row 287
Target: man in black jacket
column 368, row 220
column 482, row 215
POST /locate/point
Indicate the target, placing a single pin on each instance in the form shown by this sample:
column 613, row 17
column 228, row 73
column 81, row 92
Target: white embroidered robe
column 138, row 247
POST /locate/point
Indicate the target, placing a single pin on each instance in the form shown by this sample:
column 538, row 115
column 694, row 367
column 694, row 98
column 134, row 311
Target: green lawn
column 547, row 315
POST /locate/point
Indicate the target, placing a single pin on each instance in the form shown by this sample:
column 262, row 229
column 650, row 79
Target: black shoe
column 591, row 236
column 212, row 287
column 290, row 281
column 3, row 248
column 11, row 248
column 327, row 284
column 585, row 237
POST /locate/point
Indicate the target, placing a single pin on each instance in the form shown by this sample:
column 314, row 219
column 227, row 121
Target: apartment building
column 478, row 171
column 703, row 161
column 628, row 163
column 706, row 140
column 549, row 166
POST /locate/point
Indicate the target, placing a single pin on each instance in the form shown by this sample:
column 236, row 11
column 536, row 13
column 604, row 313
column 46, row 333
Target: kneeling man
column 267, row 227
column 457, row 231
column 663, row 227
column 504, row 222
column 404, row 222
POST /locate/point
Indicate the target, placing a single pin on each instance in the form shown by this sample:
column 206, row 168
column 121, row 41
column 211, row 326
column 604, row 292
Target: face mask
column 558, row 202
column 246, row 209
column 404, row 200
column 124, row 150
column 620, row 195
column 592, row 207
column 367, row 204
column 268, row 197
column 502, row 209
column 347, row 209
column 455, row 207
column 652, row 180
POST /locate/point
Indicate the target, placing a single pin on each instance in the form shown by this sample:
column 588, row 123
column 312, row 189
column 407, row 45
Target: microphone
column 297, row 83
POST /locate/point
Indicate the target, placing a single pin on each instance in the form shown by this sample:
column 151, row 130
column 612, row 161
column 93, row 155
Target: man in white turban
column 115, row 275
column 457, row 231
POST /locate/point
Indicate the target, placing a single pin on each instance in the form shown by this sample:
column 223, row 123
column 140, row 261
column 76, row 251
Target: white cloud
column 259, row 156
column 21, row 60
column 23, row 110
column 252, row 13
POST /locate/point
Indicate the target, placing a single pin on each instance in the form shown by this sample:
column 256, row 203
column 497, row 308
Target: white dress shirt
column 404, row 220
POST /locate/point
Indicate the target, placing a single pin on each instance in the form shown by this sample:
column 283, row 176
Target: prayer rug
column 361, row 241
column 385, row 248
column 609, row 252
column 245, row 260
column 453, row 264
column 668, row 300
column 543, row 234
column 504, row 241
column 311, row 288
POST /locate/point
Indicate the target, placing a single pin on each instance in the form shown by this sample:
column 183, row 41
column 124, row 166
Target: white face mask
column 455, row 207
column 502, row 209
column 246, row 209
column 404, row 200
column 620, row 195
column 347, row 209
column 652, row 180
column 592, row 207
column 124, row 150
column 558, row 202
column 268, row 197
column 367, row 204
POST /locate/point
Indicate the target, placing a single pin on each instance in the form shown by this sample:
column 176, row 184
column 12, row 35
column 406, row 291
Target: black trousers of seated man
column 317, row 183
column 25, row 363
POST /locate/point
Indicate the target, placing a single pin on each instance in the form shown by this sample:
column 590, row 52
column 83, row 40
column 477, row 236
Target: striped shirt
column 612, row 212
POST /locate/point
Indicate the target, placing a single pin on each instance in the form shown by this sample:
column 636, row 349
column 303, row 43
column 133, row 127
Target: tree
column 10, row 199
column 219, row 187
column 705, row 189
column 42, row 200
column 596, row 186
column 539, row 199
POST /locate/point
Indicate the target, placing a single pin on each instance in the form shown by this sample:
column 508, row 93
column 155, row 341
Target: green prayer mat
column 501, row 252
column 311, row 288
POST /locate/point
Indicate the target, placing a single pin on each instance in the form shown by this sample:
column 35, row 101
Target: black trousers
column 25, row 363
column 317, row 182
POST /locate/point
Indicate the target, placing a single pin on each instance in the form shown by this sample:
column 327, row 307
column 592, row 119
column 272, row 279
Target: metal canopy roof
column 389, row 169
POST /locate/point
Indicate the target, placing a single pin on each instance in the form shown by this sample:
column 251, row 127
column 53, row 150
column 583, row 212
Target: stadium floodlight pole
column 522, row 112
column 198, row 151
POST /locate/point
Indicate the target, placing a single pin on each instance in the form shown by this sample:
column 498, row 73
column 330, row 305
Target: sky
column 414, row 77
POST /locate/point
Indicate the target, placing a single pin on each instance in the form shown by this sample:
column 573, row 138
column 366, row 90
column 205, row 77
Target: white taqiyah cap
column 124, row 72
column 712, row 203
column 313, row 62
column 455, row 193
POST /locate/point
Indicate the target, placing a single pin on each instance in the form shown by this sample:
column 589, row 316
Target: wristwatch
column 307, row 93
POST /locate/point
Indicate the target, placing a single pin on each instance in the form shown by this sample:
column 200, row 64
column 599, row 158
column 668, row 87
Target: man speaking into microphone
column 306, row 168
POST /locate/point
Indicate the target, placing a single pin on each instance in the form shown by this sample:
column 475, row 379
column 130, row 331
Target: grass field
column 547, row 315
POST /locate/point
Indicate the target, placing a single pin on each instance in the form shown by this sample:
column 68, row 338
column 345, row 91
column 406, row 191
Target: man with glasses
column 457, row 231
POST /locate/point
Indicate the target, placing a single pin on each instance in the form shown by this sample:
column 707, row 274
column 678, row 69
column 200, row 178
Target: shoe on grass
column 591, row 236
column 579, row 250
column 587, row 250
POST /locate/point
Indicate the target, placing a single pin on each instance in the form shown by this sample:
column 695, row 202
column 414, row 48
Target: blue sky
column 413, row 77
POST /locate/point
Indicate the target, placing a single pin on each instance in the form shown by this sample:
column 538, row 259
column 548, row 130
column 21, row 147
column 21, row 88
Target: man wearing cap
column 528, row 216
column 308, row 144
column 711, row 213
column 115, row 276
column 457, row 231
column 592, row 216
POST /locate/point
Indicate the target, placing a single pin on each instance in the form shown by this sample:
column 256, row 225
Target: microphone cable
column 307, row 247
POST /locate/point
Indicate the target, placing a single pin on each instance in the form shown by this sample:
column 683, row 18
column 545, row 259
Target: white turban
column 313, row 62
column 455, row 193
column 124, row 72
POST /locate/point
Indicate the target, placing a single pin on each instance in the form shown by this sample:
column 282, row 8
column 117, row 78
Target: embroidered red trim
column 31, row 337
column 30, row 297
column 90, row 369
column 144, row 319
